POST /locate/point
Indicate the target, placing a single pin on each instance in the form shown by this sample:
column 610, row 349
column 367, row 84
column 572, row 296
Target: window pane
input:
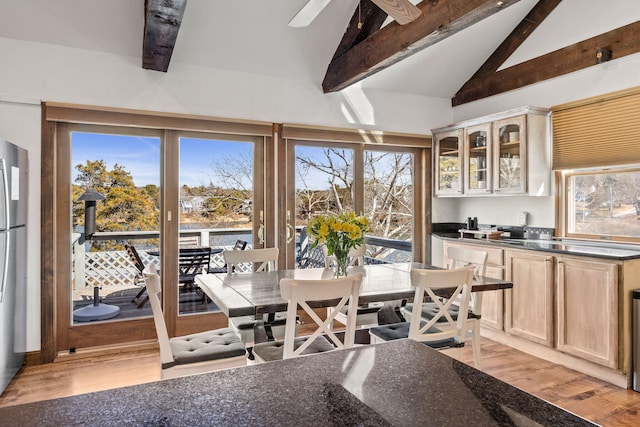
column 216, row 199
column 125, row 170
column 324, row 185
column 605, row 204
column 388, row 203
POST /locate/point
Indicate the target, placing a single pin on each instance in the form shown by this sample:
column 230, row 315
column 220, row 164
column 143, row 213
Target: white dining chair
column 299, row 293
column 195, row 353
column 266, row 257
column 459, row 257
column 272, row 324
column 367, row 313
column 442, row 331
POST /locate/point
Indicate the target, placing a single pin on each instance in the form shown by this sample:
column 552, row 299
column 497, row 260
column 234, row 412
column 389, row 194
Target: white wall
column 609, row 77
column 34, row 72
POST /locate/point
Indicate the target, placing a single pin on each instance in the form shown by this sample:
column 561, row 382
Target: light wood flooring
column 595, row 400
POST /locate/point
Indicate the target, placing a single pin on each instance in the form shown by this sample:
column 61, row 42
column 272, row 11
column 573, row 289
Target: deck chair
column 192, row 261
column 138, row 280
column 299, row 293
column 240, row 245
column 447, row 334
column 272, row 324
column 457, row 258
column 367, row 313
column 195, row 353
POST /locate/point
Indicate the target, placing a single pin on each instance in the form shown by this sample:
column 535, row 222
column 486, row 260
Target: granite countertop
column 396, row 383
column 567, row 247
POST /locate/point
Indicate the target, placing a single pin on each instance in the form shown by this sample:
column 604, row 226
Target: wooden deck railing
column 114, row 268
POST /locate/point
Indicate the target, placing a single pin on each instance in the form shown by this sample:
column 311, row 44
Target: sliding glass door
column 377, row 182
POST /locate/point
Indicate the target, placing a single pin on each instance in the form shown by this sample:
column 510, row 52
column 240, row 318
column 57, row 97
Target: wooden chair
column 457, row 258
column 192, row 261
column 368, row 313
column 138, row 280
column 195, row 353
column 442, row 331
column 299, row 293
column 240, row 245
column 267, row 258
column 271, row 325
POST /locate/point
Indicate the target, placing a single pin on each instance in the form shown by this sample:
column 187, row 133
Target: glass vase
column 342, row 262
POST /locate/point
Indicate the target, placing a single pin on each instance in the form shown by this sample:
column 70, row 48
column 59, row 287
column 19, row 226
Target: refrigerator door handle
column 5, row 188
column 5, row 265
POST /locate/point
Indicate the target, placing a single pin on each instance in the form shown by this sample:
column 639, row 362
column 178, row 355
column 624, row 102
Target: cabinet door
column 509, row 136
column 448, row 163
column 529, row 305
column 477, row 159
column 493, row 303
column 587, row 309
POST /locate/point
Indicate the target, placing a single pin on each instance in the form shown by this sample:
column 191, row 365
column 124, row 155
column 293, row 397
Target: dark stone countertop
column 567, row 247
column 400, row 383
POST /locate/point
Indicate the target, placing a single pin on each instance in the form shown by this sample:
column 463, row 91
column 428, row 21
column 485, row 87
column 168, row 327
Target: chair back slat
column 299, row 293
column 267, row 258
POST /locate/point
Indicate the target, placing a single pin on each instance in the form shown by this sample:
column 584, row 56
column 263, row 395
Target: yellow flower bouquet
column 340, row 233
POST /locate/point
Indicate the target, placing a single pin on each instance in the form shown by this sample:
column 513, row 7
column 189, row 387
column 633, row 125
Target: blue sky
column 140, row 156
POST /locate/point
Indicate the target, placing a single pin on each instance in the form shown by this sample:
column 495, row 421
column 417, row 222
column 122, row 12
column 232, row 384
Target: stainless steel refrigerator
column 13, row 259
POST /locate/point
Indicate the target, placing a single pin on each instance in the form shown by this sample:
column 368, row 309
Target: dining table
column 252, row 294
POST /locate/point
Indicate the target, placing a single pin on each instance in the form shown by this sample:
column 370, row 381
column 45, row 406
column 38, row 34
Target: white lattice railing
column 114, row 268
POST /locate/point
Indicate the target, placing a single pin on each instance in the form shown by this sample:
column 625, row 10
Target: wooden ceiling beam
column 366, row 20
column 539, row 13
column 392, row 43
column 621, row 42
column 162, row 21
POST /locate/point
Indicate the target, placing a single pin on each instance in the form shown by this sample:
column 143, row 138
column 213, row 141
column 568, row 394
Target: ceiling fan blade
column 403, row 11
column 308, row 13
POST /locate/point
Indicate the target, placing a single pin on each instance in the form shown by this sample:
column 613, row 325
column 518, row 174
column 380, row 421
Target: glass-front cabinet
column 448, row 163
column 509, row 139
column 503, row 154
column 478, row 160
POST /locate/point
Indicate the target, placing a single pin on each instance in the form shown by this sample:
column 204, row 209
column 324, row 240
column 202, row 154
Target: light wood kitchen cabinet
column 492, row 301
column 478, row 161
column 448, row 163
column 506, row 153
column 529, row 305
column 587, row 319
column 510, row 155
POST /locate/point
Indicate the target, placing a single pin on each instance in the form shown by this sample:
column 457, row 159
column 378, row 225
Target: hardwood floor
column 595, row 400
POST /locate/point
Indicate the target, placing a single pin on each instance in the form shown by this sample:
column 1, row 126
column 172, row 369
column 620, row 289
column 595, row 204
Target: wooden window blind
column 599, row 131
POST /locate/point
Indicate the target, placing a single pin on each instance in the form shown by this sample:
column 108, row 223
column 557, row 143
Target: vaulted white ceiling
column 252, row 36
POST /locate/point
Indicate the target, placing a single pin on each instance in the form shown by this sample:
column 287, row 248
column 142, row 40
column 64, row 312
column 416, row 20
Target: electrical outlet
column 522, row 218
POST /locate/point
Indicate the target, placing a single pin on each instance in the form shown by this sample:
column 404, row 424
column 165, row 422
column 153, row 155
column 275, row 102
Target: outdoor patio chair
column 240, row 245
column 192, row 261
column 195, row 353
column 138, row 280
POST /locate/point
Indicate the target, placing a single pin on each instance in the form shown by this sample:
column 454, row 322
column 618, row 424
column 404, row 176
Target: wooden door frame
column 56, row 333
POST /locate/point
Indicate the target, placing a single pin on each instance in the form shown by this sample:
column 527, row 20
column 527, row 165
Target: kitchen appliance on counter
column 13, row 256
